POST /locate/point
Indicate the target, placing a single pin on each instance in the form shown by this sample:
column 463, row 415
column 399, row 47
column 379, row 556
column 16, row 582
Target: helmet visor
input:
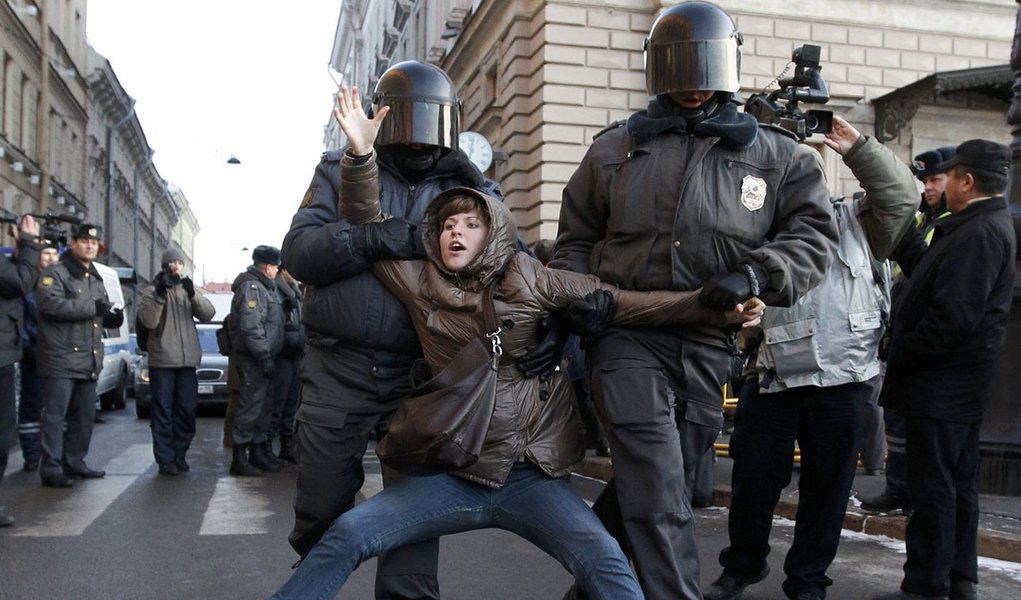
column 416, row 122
column 692, row 65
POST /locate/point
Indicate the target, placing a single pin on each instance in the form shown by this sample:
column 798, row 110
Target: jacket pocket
column 320, row 415
column 791, row 349
column 865, row 320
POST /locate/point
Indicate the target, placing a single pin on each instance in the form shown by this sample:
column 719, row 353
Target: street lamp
column 233, row 160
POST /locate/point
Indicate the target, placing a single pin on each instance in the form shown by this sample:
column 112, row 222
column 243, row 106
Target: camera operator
column 689, row 193
column 18, row 275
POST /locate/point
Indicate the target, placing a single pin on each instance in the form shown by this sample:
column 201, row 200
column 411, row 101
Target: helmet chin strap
column 415, row 163
column 694, row 116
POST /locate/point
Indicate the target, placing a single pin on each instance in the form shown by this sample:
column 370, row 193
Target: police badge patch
column 753, row 192
column 309, row 195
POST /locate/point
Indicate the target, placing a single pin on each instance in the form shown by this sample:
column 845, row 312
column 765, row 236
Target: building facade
column 43, row 59
column 539, row 78
column 71, row 146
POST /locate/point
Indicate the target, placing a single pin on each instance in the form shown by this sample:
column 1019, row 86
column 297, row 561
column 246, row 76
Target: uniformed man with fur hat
column 73, row 311
column 256, row 325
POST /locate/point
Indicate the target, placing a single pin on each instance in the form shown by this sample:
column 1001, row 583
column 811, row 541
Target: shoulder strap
column 489, row 316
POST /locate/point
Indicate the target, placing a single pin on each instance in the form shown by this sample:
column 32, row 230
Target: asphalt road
column 136, row 535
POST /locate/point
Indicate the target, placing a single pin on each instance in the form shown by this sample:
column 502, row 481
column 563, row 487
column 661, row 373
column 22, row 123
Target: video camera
column 50, row 226
column 780, row 107
column 7, row 216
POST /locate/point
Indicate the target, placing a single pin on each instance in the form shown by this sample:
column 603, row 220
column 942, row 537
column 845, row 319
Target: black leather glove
column 592, row 314
column 113, row 319
column 544, row 357
column 189, row 286
column 268, row 369
column 730, row 289
column 389, row 239
column 102, row 307
column 160, row 284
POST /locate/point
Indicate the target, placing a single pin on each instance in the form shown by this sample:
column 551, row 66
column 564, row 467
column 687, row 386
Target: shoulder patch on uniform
column 251, row 304
column 610, row 127
column 46, row 281
column 311, row 193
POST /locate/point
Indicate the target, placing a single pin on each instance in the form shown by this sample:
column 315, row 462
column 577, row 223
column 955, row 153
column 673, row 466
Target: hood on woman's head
column 500, row 245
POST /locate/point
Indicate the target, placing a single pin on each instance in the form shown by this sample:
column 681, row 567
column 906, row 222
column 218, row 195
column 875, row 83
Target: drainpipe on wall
column 110, row 180
column 134, row 235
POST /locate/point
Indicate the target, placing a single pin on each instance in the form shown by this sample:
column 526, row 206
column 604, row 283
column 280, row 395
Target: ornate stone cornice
column 990, row 86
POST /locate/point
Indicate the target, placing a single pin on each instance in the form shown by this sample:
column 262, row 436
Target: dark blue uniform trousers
column 172, row 416
column 30, row 410
column 941, row 536
column 7, row 414
column 827, row 423
column 72, row 401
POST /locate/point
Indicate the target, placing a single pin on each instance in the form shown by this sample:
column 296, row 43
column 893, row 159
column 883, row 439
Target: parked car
column 211, row 374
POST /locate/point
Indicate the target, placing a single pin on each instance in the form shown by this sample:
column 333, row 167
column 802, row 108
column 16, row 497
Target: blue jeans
column 544, row 511
column 175, row 394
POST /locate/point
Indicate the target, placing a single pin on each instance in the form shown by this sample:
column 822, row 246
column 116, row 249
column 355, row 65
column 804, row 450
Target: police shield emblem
column 753, row 192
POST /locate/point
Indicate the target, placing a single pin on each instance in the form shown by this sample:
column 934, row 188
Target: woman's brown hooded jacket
column 534, row 420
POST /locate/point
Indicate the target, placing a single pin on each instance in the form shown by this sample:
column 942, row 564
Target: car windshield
column 207, row 339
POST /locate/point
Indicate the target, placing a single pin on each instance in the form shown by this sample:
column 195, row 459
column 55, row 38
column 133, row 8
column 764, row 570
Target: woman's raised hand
column 360, row 130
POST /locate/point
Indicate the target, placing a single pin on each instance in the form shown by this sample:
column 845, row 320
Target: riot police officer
column 687, row 193
column 360, row 342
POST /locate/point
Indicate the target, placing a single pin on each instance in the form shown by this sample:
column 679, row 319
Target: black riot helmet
column 424, row 107
column 693, row 46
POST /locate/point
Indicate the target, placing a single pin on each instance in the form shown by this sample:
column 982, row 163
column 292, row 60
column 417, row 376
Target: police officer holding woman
column 687, row 193
column 360, row 340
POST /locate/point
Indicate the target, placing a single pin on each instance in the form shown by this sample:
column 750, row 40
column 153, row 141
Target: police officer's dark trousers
column 8, row 418
column 942, row 532
column 172, row 417
column 30, row 410
column 252, row 412
column 661, row 396
column 827, row 424
column 285, row 397
column 75, row 400
column 332, row 442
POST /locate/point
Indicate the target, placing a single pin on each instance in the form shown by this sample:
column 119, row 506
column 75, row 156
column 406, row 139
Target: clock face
column 478, row 149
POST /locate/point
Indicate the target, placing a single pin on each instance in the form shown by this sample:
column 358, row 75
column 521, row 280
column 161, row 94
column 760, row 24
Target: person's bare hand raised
column 361, row 131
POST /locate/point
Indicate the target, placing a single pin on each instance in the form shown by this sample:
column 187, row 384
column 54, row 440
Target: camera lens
column 811, row 123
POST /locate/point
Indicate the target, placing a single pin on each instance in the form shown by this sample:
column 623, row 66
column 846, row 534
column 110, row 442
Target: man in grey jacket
column 256, row 337
column 169, row 312
column 814, row 367
column 73, row 311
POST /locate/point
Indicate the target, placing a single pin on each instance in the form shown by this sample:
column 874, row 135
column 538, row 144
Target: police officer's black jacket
column 344, row 302
column 70, row 334
column 294, row 335
column 18, row 277
column 257, row 318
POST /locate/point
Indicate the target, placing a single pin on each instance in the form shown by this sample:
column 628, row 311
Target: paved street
column 206, row 535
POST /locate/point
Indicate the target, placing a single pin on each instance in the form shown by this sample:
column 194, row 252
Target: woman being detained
column 520, row 482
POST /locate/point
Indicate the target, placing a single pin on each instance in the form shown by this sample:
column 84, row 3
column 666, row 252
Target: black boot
column 267, row 450
column 257, row 458
column 288, row 449
column 240, row 465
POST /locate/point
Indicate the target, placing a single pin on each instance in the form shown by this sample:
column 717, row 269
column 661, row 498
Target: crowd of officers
column 690, row 193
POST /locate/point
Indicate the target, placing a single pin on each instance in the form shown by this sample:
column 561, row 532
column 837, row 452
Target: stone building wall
column 540, row 78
